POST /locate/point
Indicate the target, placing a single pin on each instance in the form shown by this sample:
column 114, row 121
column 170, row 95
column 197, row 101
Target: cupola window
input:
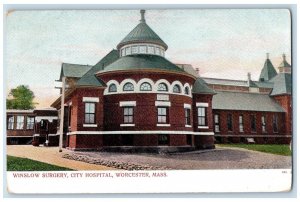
column 176, row 89
column 145, row 87
column 112, row 88
column 128, row 87
column 162, row 87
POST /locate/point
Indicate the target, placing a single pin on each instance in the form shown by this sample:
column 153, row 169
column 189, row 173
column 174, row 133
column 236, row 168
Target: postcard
column 148, row 101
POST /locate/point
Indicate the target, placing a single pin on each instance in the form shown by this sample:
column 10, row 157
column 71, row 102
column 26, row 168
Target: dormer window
column 128, row 87
column 176, row 89
column 145, row 87
column 112, row 88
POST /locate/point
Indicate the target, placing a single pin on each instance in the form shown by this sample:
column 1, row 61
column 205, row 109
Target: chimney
column 248, row 78
column 143, row 16
column 197, row 70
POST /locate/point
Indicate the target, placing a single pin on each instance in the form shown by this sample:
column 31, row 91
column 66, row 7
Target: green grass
column 267, row 148
column 24, row 164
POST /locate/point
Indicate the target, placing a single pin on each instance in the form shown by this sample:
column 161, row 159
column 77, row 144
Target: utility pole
column 62, row 112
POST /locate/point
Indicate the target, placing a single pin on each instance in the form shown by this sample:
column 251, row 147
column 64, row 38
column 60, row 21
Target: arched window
column 112, row 88
column 176, row 89
column 145, row 87
column 186, row 90
column 162, row 87
column 128, row 87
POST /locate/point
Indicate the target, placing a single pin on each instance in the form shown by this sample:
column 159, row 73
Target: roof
column 268, row 71
column 245, row 102
column 189, row 69
column 142, row 61
column 142, row 33
column 201, row 87
column 73, row 70
column 19, row 111
column 89, row 78
column 243, row 83
column 282, row 84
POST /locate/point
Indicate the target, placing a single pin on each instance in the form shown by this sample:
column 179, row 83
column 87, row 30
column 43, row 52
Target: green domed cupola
column 142, row 40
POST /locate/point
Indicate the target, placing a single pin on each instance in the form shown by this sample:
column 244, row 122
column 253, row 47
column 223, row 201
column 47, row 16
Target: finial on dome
column 268, row 55
column 142, row 16
column 284, row 57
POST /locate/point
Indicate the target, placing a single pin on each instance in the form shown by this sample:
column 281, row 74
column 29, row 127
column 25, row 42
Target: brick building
column 135, row 97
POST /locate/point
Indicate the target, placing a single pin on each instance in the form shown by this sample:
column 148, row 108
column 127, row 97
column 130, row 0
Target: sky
column 222, row 43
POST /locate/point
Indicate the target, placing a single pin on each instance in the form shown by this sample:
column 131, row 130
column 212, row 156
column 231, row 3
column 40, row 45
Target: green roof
column 282, row 84
column 245, row 102
column 73, row 70
column 201, row 87
column 268, row 72
column 144, row 34
column 142, row 61
column 89, row 79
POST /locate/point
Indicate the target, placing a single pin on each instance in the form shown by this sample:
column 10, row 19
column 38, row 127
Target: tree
column 22, row 98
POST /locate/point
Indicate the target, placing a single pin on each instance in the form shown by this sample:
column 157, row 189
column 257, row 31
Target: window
column 44, row 124
column 30, row 122
column 186, row 90
column 143, row 49
column 128, row 114
column 241, row 123
column 187, row 114
column 112, row 88
column 134, row 49
column 275, row 123
column 128, row 51
column 157, row 51
column 176, row 89
column 145, row 87
column 90, row 113
column 11, row 120
column 128, row 87
column 263, row 124
column 151, row 49
column 201, row 116
column 253, row 123
column 217, row 123
column 163, row 139
column 162, row 87
column 162, row 115
column 123, row 52
column 229, row 122
column 20, row 122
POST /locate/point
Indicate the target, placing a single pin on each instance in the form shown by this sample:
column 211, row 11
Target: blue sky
column 222, row 43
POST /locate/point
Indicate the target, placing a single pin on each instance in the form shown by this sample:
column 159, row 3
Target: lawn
column 267, row 148
column 24, row 164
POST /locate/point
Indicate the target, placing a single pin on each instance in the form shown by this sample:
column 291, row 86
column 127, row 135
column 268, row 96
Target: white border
column 127, row 103
column 90, row 99
column 201, row 104
column 162, row 103
column 90, row 125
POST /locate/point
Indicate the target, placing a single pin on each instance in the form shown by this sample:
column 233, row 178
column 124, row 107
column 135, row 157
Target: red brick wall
column 78, row 107
column 145, row 112
column 85, row 141
column 286, row 102
column 247, row 122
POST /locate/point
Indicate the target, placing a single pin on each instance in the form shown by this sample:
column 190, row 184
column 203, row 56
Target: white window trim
column 127, row 125
column 201, row 104
column 162, row 103
column 127, row 103
column 188, row 126
column 90, row 125
column 49, row 118
column 90, row 99
column 187, row 106
column 203, row 127
column 163, row 125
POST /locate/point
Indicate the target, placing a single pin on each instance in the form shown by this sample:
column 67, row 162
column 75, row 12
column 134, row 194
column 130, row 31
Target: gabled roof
column 89, row 79
column 282, row 84
column 245, row 102
column 142, row 33
column 142, row 61
column 268, row 71
column 243, row 83
column 73, row 70
column 201, row 87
